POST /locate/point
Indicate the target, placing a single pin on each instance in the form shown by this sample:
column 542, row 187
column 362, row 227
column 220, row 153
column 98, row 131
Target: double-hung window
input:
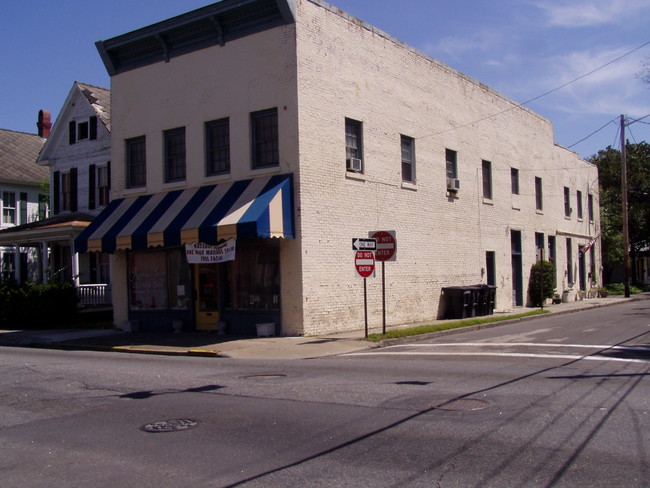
column 103, row 185
column 451, row 164
column 539, row 196
column 66, row 191
column 567, row 202
column 590, row 207
column 264, row 136
column 353, row 145
column 174, row 154
column 514, row 180
column 487, row 179
column 136, row 162
column 579, row 203
column 8, row 207
column 217, row 147
column 408, row 159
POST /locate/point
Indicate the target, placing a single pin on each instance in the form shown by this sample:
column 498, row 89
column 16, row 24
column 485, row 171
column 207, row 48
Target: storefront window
column 254, row 276
column 158, row 281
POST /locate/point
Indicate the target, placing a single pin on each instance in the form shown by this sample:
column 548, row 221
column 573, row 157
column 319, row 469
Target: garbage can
column 458, row 302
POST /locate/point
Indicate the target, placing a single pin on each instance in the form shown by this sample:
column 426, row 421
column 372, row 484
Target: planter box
column 266, row 329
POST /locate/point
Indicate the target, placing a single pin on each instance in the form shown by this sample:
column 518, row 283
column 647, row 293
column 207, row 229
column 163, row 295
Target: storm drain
column 174, row 425
column 462, row 405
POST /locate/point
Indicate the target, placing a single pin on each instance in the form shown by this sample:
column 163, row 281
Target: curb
column 470, row 328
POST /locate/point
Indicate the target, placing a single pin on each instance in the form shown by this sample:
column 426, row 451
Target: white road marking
column 496, row 354
column 525, row 344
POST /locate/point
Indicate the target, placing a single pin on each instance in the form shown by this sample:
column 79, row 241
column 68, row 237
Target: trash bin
column 458, row 302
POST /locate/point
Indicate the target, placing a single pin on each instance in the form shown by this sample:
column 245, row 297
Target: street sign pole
column 383, row 297
column 365, row 303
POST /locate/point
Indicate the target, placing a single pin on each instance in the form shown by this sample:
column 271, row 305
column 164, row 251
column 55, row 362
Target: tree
column 542, row 281
column 638, row 179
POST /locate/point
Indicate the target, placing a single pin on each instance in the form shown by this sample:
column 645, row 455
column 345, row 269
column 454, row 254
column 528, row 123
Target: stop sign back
column 386, row 245
column 364, row 263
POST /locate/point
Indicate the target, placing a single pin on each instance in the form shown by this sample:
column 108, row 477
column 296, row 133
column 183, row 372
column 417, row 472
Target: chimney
column 44, row 123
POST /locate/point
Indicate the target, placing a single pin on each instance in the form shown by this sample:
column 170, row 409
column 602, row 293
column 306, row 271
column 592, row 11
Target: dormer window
column 84, row 129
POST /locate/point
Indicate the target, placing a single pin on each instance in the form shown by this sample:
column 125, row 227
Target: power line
column 521, row 105
column 593, row 133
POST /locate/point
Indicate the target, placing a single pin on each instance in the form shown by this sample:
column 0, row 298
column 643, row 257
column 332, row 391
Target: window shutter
column 91, row 187
column 56, row 193
column 93, row 128
column 108, row 170
column 72, row 133
column 73, row 189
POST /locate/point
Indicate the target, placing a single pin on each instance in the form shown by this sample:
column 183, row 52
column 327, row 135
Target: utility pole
column 626, row 233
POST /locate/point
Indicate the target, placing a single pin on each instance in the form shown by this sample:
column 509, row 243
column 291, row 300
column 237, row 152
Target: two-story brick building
column 294, row 128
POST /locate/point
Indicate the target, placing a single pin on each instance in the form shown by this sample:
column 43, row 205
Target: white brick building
column 371, row 135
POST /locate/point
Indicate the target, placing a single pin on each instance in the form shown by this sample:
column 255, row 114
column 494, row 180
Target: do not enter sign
column 364, row 263
column 386, row 245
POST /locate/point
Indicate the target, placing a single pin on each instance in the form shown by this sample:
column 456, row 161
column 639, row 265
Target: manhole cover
column 264, row 376
column 174, row 425
column 462, row 405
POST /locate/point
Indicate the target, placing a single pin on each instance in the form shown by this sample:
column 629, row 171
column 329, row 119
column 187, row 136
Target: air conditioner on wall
column 453, row 184
column 354, row 164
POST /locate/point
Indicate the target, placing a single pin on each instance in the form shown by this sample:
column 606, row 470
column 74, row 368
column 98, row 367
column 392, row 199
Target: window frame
column 66, row 191
column 567, row 202
column 514, row 181
column 590, row 206
column 354, row 143
column 103, row 187
column 217, row 147
column 539, row 194
column 175, row 155
column 451, row 163
column 579, row 204
column 407, row 150
column 136, row 162
column 9, row 208
column 265, row 139
column 486, row 171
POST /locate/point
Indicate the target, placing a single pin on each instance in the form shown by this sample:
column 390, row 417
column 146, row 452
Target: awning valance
column 259, row 207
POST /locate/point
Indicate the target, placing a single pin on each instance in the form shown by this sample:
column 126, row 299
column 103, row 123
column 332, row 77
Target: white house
column 76, row 159
column 295, row 128
column 23, row 198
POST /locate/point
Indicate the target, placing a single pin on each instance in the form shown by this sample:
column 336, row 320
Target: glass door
column 206, row 281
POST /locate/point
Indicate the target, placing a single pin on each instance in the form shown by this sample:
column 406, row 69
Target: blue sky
column 521, row 48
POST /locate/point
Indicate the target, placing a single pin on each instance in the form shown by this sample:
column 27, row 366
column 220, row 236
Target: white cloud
column 562, row 13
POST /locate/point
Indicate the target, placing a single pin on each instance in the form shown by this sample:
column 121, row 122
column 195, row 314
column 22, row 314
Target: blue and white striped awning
column 259, row 207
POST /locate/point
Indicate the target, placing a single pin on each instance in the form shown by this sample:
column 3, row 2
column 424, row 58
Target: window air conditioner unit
column 354, row 164
column 453, row 184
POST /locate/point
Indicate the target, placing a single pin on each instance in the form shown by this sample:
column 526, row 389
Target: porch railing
column 96, row 294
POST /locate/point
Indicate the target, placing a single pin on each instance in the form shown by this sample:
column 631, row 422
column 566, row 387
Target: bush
column 619, row 289
column 36, row 305
column 542, row 282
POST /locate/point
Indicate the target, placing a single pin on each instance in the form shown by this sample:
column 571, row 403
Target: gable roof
column 18, row 154
column 100, row 99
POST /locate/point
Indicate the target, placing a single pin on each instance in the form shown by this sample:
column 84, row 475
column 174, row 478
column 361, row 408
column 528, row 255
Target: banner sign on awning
column 198, row 253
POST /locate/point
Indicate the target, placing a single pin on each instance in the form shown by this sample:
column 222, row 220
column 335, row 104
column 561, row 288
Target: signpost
column 364, row 265
column 386, row 251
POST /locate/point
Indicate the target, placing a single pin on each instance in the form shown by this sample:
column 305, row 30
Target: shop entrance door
column 206, row 283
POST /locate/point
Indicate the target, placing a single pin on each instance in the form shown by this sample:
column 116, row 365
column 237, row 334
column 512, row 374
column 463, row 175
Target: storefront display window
column 254, row 276
column 159, row 281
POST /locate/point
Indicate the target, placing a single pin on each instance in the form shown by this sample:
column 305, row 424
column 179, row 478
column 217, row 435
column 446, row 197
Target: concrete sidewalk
column 208, row 344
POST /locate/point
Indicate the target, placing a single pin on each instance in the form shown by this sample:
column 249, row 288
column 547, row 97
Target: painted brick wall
column 348, row 69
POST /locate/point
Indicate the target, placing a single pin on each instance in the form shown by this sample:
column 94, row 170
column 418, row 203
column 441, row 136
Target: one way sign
column 364, row 244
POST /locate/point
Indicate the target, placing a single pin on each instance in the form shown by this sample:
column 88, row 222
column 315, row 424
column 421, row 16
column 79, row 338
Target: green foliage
column 38, row 306
column 611, row 202
column 427, row 329
column 619, row 289
column 542, row 282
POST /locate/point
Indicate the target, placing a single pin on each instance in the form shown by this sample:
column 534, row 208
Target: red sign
column 386, row 245
column 364, row 263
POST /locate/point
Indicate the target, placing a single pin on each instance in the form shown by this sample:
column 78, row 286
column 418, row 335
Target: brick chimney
column 44, row 123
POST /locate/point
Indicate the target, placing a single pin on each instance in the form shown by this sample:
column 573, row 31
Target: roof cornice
column 209, row 26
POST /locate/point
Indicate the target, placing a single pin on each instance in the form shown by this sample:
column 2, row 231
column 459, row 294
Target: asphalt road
column 558, row 401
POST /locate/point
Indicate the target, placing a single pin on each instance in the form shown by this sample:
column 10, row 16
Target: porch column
column 45, row 262
column 17, row 263
column 75, row 265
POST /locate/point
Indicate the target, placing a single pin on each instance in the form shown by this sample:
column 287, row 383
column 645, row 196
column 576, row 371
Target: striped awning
column 259, row 207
